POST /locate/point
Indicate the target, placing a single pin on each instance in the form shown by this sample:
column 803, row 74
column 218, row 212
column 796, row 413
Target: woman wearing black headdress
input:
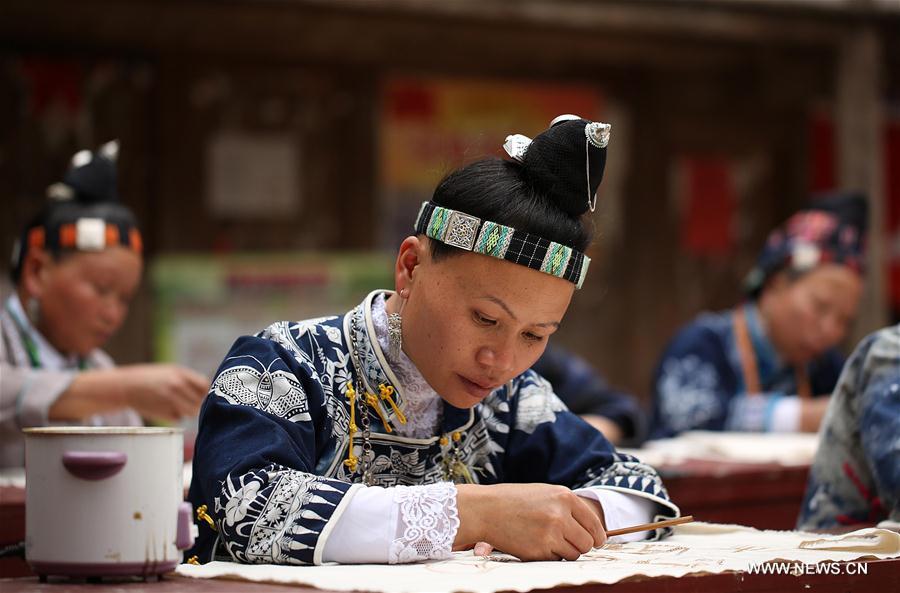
column 769, row 364
column 76, row 268
column 344, row 438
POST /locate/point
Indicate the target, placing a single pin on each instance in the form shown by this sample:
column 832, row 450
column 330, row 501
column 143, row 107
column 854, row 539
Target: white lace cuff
column 427, row 522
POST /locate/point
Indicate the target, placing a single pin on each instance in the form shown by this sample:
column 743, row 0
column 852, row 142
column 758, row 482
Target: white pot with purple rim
column 105, row 501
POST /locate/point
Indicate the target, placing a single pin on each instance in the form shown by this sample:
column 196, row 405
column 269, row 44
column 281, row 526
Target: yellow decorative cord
column 372, row 400
column 204, row 516
column 193, row 560
column 464, row 471
column 387, row 391
column 454, row 466
column 351, row 461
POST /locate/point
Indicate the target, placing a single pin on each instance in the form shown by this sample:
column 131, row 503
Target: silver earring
column 395, row 336
column 33, row 310
column 395, row 323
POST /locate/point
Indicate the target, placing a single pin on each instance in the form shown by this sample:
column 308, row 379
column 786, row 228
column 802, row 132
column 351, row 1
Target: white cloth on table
column 695, row 548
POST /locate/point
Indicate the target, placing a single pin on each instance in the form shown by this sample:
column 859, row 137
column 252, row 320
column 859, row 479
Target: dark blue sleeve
column 262, row 428
column 693, row 384
column 584, row 391
column 547, row 443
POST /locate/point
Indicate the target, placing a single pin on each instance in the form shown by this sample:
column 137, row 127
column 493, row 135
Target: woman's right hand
column 529, row 521
column 162, row 391
column 158, row 391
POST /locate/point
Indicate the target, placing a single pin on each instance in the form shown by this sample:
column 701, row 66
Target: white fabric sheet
column 12, row 477
column 694, row 548
column 742, row 447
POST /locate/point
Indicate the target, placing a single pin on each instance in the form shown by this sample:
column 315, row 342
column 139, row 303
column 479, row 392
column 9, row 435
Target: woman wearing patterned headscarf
column 75, row 269
column 769, row 364
column 413, row 424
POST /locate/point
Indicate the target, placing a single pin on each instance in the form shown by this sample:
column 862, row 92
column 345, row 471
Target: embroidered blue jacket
column 855, row 477
column 585, row 391
column 699, row 383
column 269, row 456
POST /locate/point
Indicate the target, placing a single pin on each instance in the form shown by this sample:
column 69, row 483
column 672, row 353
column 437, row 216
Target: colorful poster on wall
column 430, row 126
column 204, row 303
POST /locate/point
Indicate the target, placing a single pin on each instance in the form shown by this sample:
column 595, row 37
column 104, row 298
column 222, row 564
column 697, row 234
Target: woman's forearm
column 90, row 392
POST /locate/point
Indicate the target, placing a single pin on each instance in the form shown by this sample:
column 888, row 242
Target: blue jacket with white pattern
column 699, row 382
column 269, row 456
column 855, row 476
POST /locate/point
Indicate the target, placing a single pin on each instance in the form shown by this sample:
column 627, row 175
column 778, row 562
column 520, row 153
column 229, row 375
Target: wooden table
column 765, row 496
column 883, row 575
column 12, row 529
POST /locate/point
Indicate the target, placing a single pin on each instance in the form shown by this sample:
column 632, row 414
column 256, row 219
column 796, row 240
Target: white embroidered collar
column 421, row 404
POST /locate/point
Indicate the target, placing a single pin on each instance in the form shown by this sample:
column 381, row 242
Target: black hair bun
column 850, row 207
column 92, row 179
column 566, row 163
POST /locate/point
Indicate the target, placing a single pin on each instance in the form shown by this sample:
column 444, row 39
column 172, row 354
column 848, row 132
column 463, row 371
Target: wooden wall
column 166, row 76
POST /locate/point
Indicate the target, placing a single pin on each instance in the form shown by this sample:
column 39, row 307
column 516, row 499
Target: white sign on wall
column 253, row 175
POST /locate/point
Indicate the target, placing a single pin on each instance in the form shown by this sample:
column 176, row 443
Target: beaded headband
column 831, row 229
column 86, row 234
column 503, row 242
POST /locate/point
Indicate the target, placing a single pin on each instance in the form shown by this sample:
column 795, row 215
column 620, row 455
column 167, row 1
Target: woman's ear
column 778, row 281
column 410, row 255
column 35, row 269
column 771, row 297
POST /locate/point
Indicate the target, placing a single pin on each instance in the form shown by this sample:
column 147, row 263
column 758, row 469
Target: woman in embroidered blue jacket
column 342, row 439
column 770, row 363
column 855, row 477
column 616, row 414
